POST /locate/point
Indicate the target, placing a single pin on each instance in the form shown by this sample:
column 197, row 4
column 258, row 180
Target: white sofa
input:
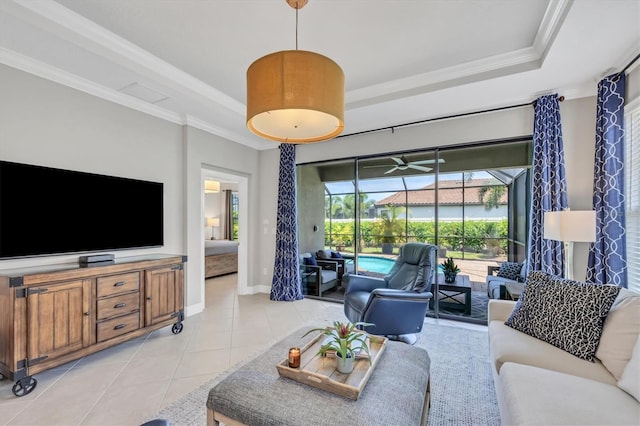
column 539, row 384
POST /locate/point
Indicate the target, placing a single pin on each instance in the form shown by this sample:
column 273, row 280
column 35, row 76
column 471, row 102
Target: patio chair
column 316, row 277
column 345, row 265
column 397, row 303
column 513, row 273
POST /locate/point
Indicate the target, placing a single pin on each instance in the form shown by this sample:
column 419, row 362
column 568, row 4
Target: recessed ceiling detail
column 423, row 60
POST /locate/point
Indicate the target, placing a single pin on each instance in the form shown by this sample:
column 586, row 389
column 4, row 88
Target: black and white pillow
column 510, row 270
column 567, row 314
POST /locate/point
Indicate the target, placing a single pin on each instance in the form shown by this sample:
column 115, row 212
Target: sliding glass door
column 469, row 201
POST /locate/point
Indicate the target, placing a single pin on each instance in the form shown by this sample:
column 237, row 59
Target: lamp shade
column 295, row 96
column 570, row 225
column 213, row 221
column 211, row 186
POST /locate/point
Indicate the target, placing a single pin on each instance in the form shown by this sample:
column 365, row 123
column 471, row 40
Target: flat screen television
column 48, row 211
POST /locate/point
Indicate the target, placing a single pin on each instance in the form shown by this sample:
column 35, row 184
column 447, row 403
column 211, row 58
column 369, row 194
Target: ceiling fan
column 403, row 164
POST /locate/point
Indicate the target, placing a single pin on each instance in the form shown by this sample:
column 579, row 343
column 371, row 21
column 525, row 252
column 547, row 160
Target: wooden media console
column 50, row 315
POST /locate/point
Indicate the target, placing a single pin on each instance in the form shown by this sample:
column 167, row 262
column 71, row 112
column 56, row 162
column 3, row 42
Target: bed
column 220, row 257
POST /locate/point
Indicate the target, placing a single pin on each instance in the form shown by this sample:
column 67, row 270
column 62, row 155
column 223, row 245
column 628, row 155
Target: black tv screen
column 48, row 211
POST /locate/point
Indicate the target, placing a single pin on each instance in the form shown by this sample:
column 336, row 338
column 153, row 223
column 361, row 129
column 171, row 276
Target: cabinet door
column 58, row 319
column 164, row 293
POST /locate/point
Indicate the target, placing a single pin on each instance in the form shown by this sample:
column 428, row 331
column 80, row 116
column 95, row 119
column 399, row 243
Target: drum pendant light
column 295, row 96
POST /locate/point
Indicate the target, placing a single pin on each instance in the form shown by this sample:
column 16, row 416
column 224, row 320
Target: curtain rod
column 629, row 64
column 464, row 114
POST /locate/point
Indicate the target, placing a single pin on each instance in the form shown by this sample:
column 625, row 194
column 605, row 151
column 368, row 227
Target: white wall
column 48, row 124
column 206, row 151
column 51, row 125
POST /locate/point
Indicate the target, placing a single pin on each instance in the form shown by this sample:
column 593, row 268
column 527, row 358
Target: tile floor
column 128, row 383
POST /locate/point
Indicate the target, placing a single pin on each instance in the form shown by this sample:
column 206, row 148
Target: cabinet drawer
column 118, row 305
column 121, row 283
column 117, row 326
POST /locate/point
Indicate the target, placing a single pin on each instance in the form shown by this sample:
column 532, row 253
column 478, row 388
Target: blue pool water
column 381, row 265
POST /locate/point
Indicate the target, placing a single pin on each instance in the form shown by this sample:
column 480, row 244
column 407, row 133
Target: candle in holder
column 294, row 357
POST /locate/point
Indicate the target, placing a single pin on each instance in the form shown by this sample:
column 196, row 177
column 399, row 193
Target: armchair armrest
column 499, row 310
column 332, row 265
column 501, row 280
column 310, row 268
column 491, row 269
column 307, row 270
column 364, row 283
column 401, row 294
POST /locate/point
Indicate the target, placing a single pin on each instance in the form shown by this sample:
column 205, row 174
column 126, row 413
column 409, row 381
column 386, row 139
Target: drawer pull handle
column 120, row 305
column 119, row 327
column 119, row 284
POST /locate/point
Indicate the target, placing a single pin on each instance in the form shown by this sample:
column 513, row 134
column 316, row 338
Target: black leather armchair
column 397, row 303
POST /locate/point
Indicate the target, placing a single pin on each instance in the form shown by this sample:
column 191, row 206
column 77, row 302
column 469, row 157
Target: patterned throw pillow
column 567, row 314
column 510, row 270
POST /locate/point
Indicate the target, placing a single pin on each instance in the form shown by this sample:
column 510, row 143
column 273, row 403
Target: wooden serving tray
column 320, row 372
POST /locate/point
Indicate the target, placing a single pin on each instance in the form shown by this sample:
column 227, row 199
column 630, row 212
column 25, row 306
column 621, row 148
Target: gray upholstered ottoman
column 397, row 392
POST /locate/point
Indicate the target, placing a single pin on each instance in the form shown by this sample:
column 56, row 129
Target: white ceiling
column 404, row 60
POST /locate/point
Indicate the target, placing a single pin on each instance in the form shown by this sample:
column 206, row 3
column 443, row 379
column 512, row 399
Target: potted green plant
column 346, row 340
column 450, row 270
column 390, row 227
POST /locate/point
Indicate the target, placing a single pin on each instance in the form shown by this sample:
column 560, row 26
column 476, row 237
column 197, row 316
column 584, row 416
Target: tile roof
column 449, row 192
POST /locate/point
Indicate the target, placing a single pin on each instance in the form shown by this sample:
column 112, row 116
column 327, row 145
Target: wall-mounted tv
column 48, row 211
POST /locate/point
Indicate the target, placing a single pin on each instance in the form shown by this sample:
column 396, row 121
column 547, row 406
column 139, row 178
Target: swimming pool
column 381, row 265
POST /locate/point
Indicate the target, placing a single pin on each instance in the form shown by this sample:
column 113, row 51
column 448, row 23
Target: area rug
column 479, row 302
column 462, row 391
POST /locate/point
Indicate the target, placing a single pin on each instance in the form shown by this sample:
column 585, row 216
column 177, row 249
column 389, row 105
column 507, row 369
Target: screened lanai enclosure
column 470, row 201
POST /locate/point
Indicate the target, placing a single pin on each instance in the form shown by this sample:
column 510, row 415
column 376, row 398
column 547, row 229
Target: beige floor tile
column 208, row 340
column 142, row 370
column 120, row 353
column 200, row 363
column 127, row 405
column 129, row 383
column 181, row 386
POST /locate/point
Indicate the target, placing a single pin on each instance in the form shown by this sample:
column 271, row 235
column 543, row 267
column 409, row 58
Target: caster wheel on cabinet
column 177, row 328
column 24, row 386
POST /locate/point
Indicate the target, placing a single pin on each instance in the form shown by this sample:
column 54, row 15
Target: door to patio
column 469, row 201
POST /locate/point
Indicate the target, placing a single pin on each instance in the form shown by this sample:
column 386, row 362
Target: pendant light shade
column 295, row 96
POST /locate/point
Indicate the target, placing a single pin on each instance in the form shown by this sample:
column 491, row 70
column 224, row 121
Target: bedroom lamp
column 213, row 222
column 570, row 226
column 211, row 186
column 295, row 96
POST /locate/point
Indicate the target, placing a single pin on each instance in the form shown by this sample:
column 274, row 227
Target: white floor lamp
column 570, row 226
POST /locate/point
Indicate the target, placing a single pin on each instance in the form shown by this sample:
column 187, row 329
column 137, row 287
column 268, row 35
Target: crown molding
column 232, row 136
column 550, row 25
column 29, row 65
column 46, row 71
column 50, row 15
column 494, row 66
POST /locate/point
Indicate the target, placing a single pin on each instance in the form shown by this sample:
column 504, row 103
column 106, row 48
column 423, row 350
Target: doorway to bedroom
column 224, row 221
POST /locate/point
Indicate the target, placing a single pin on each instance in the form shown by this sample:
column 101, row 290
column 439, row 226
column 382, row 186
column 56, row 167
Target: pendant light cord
column 296, row 26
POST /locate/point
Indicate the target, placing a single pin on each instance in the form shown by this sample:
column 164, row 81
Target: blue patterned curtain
column 286, row 272
column 608, row 255
column 548, row 185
